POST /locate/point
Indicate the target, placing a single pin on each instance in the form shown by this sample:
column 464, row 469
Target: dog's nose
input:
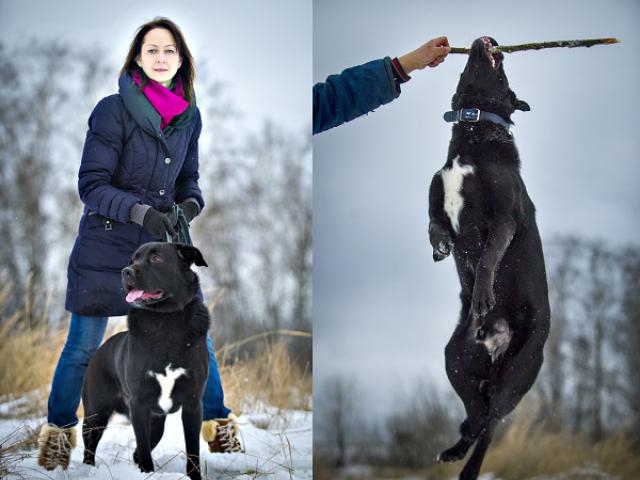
column 128, row 273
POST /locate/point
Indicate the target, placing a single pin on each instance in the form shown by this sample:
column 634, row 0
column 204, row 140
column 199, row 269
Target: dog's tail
column 472, row 467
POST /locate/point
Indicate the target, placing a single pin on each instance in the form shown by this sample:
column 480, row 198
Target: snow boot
column 56, row 445
column 222, row 435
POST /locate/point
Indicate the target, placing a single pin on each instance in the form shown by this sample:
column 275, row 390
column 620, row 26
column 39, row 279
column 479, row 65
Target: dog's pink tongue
column 147, row 296
column 134, row 295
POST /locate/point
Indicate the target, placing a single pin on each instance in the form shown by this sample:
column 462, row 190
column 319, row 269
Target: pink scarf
column 167, row 103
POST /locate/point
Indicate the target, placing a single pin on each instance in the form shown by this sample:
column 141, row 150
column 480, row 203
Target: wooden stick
column 541, row 45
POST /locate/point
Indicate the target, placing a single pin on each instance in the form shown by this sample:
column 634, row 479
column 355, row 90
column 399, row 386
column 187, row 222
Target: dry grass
column 28, row 358
column 271, row 379
column 527, row 450
column 15, row 447
column 29, row 354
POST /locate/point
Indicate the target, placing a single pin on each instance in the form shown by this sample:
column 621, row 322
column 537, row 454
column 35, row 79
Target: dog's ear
column 190, row 254
column 517, row 103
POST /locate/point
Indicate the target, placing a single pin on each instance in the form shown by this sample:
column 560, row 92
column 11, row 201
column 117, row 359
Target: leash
column 181, row 227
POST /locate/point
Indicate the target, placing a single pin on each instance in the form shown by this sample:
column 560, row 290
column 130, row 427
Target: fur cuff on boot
column 222, row 435
column 56, row 445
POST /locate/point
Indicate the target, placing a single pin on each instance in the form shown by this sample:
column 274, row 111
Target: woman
column 140, row 156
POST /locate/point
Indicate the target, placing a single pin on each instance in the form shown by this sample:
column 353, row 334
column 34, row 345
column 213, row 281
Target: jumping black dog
column 480, row 211
column 160, row 364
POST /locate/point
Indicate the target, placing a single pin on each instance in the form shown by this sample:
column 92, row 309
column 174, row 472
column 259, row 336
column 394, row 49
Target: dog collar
column 474, row 115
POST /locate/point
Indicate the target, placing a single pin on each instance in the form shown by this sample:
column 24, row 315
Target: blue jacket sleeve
column 187, row 181
column 100, row 156
column 356, row 91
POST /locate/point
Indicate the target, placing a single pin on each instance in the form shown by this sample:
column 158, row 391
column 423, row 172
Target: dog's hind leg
column 518, row 374
column 93, row 427
column 467, row 366
column 472, row 467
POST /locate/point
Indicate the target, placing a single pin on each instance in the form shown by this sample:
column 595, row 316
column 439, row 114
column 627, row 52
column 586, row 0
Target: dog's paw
column 482, row 302
column 440, row 241
column 453, row 454
column 145, row 467
column 442, row 250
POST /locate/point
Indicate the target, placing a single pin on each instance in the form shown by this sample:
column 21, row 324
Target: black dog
column 479, row 209
column 160, row 364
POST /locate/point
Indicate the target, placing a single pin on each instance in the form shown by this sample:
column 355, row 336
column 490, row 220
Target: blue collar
column 475, row 115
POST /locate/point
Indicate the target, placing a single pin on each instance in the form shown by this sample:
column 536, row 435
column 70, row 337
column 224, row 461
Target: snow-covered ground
column 278, row 445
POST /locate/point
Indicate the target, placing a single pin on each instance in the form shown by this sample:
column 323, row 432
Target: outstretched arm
column 354, row 92
column 359, row 90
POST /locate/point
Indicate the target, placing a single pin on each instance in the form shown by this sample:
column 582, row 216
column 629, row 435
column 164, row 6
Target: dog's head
column 159, row 276
column 483, row 83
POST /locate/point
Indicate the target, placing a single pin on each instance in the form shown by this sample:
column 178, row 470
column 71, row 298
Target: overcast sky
column 262, row 49
column 383, row 311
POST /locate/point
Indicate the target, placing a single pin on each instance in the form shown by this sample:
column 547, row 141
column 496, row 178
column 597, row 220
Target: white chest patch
column 452, row 179
column 166, row 382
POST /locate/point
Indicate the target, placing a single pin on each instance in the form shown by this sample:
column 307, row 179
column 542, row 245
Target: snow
column 281, row 451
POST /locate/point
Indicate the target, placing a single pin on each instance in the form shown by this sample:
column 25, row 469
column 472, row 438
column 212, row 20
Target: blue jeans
column 84, row 338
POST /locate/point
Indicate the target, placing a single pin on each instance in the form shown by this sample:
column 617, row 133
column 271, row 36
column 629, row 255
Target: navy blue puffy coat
column 127, row 159
column 356, row 91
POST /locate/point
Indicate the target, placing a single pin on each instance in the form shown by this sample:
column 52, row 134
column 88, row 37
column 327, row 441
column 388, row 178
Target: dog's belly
column 452, row 181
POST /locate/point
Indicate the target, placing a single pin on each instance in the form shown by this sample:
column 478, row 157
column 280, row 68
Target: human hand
column 431, row 54
column 158, row 224
column 189, row 209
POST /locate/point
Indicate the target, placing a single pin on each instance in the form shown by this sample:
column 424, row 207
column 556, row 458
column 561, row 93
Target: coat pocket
column 106, row 245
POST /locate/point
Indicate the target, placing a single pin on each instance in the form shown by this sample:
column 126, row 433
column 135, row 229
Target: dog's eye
column 156, row 259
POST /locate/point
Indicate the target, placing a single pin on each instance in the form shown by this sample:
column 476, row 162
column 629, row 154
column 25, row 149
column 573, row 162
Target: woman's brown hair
column 186, row 71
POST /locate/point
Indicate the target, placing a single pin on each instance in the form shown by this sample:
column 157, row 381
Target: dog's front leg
column 191, row 422
column 141, row 420
column 439, row 235
column 499, row 238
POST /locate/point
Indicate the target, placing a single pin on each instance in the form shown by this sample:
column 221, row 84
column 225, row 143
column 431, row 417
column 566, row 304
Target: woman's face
column 159, row 58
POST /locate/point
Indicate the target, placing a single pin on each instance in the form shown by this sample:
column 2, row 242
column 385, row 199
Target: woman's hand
column 430, row 54
column 157, row 224
column 190, row 209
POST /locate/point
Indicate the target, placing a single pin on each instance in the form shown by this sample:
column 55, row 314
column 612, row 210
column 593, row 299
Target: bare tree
column 561, row 256
column 258, row 221
column 629, row 335
column 335, row 421
column 422, row 428
column 29, row 119
column 599, row 302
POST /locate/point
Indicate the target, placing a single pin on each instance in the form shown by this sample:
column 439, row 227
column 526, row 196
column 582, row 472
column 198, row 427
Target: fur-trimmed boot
column 222, row 435
column 56, row 445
